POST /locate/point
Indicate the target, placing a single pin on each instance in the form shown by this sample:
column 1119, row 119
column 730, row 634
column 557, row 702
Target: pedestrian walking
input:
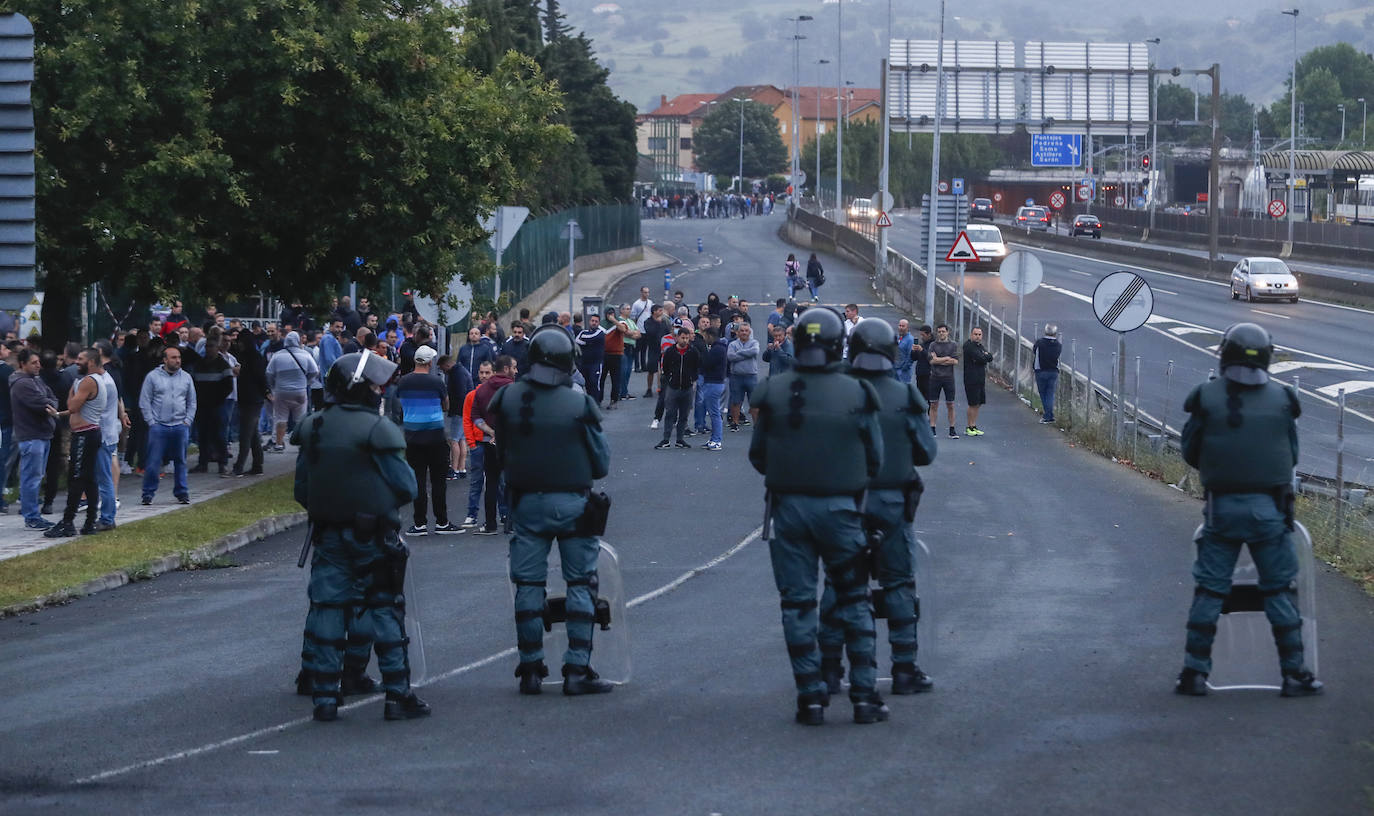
column 168, row 406
column 214, row 379
column 34, row 415
column 903, row 365
column 1045, row 359
column 792, row 272
column 1242, row 436
column 553, row 448
column 114, row 421
column 976, row 359
column 423, row 395
column 815, row 277
column 290, row 374
column 616, row 333
column 657, row 327
column 459, row 385
column 819, row 446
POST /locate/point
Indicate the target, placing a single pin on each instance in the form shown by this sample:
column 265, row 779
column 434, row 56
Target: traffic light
column 1145, row 162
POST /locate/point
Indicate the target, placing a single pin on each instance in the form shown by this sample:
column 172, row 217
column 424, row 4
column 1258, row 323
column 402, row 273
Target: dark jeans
column 81, row 476
column 611, row 369
column 136, row 448
column 491, row 474
column 1045, row 382
column 677, row 407
column 249, row 438
column 430, row 459
column 209, row 417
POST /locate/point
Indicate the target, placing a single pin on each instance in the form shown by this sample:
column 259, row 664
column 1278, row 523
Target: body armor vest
column 338, row 445
column 541, row 432
column 1256, row 454
column 816, row 428
column 901, row 415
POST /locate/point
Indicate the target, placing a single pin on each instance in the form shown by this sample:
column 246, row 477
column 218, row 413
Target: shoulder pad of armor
column 1193, row 402
column 385, row 436
column 871, row 403
column 591, row 414
column 1293, row 401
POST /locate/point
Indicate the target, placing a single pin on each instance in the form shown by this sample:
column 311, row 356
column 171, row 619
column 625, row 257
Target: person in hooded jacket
column 291, row 374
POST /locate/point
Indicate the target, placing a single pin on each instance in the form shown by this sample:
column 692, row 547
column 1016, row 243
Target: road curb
column 242, row 537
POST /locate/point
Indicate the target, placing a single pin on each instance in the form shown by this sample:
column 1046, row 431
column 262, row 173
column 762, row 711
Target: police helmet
column 1245, row 354
column 552, row 355
column 350, row 379
column 873, row 345
column 818, row 337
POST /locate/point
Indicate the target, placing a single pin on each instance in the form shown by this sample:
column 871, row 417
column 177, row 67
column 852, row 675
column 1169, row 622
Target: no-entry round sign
column 997, row 197
column 1057, row 200
column 1277, row 208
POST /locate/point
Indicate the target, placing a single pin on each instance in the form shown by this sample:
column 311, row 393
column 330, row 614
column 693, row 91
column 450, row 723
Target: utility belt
column 591, row 523
column 365, row 527
column 1285, row 500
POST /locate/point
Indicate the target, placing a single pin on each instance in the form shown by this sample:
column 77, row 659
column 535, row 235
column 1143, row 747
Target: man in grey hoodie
column 743, row 356
column 290, row 375
column 168, row 405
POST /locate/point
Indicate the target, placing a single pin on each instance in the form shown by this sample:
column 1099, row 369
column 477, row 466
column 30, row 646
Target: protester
column 1045, row 359
column 424, row 402
column 491, row 460
column 290, row 376
column 976, row 359
column 86, row 405
column 34, row 414
column 168, row 404
column 743, row 355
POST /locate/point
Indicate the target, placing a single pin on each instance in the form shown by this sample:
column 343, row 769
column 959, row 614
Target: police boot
column 1300, row 684
column 832, row 671
column 578, row 680
column 305, row 684
column 532, row 676
column 811, row 708
column 357, row 682
column 907, row 678
column 407, row 707
column 1192, row 683
column 869, row 708
column 327, row 711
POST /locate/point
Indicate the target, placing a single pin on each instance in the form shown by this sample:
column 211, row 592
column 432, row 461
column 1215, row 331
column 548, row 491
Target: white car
column 1263, row 279
column 861, row 209
column 987, row 242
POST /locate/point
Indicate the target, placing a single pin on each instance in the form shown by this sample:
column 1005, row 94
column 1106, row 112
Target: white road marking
column 1291, row 365
column 1182, row 330
column 1350, row 386
column 470, row 667
column 1271, row 314
column 263, row 753
column 1163, row 291
column 1080, row 272
column 1069, row 292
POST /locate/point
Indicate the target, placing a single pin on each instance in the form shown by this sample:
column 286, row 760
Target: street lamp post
column 1292, row 125
column 819, row 206
column 839, row 92
column 795, row 163
column 1364, row 116
column 1154, row 138
column 1341, row 107
column 741, row 100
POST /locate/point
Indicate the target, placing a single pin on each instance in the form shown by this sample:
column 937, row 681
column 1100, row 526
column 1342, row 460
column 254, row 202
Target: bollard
column 1340, row 465
column 1116, row 402
column 1088, row 397
column 1073, row 374
column 1164, row 416
column 1002, row 341
column 1135, row 428
column 699, row 249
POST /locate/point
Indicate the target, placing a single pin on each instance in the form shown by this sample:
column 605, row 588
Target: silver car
column 1263, row 279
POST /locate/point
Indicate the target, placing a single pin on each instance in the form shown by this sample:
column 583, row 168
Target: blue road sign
column 1030, row 202
column 958, row 186
column 358, row 261
column 1056, row 149
column 1140, row 201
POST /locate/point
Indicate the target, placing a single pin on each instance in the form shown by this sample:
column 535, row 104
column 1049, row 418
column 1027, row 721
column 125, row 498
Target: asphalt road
column 1323, row 346
column 1059, row 595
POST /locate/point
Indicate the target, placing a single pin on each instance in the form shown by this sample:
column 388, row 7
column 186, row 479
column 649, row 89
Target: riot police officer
column 819, row 445
column 889, row 511
column 352, row 478
column 1242, row 436
column 553, row 448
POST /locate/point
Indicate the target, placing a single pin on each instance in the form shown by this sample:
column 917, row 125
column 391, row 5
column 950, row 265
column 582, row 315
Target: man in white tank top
column 86, row 407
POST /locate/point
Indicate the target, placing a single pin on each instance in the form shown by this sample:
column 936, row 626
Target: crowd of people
column 706, row 205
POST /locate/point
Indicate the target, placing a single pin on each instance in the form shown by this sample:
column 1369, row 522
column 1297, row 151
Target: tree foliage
column 219, row 147
column 1328, row 76
column 716, row 141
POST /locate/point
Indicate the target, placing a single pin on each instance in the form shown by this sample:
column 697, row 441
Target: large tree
column 717, row 145
column 220, row 147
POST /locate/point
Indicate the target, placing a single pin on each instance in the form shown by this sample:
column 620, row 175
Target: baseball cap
column 424, row 355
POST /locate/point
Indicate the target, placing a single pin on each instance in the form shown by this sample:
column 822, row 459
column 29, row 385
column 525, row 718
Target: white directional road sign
column 503, row 224
column 1021, row 273
column 452, row 308
column 1122, row 301
column 884, row 199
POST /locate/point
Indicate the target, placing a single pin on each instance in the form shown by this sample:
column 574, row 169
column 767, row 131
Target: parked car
column 1263, row 278
column 987, row 242
column 981, row 208
column 1086, row 225
column 861, row 209
column 1036, row 218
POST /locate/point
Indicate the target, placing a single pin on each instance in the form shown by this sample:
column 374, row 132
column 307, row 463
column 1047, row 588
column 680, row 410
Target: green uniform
column 819, row 445
column 553, row 448
column 907, row 442
column 352, row 478
column 1244, row 442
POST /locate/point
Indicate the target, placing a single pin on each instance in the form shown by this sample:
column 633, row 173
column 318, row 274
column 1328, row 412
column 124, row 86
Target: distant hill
column 654, row 49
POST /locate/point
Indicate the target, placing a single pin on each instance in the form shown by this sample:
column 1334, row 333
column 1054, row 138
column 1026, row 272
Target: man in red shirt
column 491, row 461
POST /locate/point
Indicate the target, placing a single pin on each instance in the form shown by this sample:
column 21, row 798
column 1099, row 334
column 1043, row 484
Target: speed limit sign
column 997, row 197
column 1120, row 201
column 943, row 187
column 1057, row 200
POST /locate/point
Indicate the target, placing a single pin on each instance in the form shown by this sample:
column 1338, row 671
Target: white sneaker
column 125, row 469
column 653, row 426
column 469, row 522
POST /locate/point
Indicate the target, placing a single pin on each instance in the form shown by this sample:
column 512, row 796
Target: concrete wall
column 559, row 282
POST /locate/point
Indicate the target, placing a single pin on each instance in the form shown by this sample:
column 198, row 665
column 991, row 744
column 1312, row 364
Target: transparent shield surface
column 419, row 670
column 610, row 636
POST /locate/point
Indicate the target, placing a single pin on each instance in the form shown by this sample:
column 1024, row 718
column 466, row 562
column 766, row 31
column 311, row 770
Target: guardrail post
column 1073, row 374
column 1116, row 401
column 1164, row 416
column 1135, row 427
column 1091, row 394
column 1340, row 465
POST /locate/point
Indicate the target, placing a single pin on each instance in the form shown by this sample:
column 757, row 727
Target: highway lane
column 1324, row 347
column 1059, row 600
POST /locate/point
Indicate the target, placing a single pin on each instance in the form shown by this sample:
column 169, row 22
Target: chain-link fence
column 1131, row 409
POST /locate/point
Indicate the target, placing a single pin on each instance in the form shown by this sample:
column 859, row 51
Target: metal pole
column 819, row 206
column 1214, row 172
column 1002, row 341
column 1154, row 148
column 1073, row 374
column 1135, row 428
column 1340, row 465
column 1020, row 301
column 571, row 311
column 1115, row 366
column 741, row 146
column 839, row 122
column 935, row 165
column 1120, row 385
column 960, row 267
column 500, row 224
column 1292, row 126
column 1088, row 397
column 881, row 269
column 1164, row 415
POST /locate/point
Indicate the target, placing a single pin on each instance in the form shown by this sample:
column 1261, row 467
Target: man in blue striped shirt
column 424, row 402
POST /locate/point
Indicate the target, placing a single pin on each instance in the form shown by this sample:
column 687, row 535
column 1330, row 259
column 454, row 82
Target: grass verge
column 131, row 547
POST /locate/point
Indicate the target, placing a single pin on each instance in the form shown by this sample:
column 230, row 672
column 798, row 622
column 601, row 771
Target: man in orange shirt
column 476, row 477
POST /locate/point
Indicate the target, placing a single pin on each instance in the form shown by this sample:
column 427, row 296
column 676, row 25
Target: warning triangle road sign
column 883, row 220
column 962, row 251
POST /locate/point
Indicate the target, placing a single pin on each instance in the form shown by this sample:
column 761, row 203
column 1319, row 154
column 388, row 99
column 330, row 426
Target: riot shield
column 1243, row 654
column 419, row 671
column 925, row 614
column 610, row 634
